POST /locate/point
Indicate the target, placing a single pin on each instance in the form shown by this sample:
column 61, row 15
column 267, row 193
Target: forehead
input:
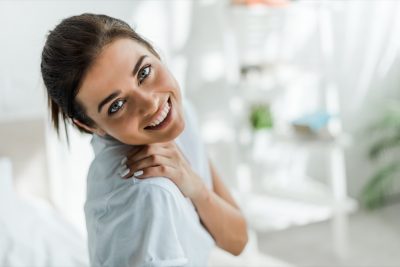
column 115, row 61
column 118, row 51
column 118, row 54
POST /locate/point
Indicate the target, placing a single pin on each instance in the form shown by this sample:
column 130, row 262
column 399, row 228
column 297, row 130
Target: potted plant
column 260, row 117
column 261, row 124
column 380, row 187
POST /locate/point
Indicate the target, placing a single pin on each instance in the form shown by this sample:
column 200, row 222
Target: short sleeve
column 141, row 229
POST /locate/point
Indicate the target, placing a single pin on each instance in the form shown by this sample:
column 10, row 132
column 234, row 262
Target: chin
column 176, row 131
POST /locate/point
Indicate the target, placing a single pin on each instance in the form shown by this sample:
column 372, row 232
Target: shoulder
column 140, row 219
column 155, row 189
column 133, row 196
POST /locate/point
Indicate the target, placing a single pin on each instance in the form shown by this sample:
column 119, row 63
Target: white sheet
column 32, row 233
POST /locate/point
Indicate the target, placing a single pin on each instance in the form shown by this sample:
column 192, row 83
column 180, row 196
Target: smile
column 162, row 118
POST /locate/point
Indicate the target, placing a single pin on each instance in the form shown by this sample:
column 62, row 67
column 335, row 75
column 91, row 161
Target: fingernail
column 124, row 172
column 123, row 161
column 137, row 173
column 121, row 169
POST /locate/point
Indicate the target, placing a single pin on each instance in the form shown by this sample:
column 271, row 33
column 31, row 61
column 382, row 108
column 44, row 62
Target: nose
column 146, row 102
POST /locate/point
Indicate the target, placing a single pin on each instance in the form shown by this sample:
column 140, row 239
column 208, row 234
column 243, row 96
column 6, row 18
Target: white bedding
column 32, row 233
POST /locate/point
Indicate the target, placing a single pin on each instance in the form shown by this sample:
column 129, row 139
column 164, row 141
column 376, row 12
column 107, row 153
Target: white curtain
column 367, row 41
column 365, row 67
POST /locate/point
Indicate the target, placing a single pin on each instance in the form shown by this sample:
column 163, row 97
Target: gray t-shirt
column 145, row 222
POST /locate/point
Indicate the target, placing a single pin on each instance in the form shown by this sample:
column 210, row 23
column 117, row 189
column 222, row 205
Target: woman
column 153, row 198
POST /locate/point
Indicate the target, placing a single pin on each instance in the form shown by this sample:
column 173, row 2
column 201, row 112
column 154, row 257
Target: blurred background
column 299, row 108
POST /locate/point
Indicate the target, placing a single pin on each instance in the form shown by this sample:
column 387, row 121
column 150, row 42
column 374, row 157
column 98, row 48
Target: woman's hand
column 163, row 159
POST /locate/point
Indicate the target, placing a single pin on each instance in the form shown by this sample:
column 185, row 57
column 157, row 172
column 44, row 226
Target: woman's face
column 131, row 96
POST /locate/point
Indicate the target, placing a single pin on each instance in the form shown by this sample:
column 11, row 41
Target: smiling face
column 131, row 95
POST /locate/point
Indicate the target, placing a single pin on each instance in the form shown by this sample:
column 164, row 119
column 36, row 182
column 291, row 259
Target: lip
column 160, row 109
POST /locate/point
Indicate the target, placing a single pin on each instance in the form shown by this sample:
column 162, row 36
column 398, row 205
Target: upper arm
column 219, row 187
column 141, row 229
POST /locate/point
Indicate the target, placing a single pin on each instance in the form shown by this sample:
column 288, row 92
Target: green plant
column 261, row 117
column 380, row 186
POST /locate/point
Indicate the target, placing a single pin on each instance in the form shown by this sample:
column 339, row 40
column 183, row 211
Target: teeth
column 161, row 117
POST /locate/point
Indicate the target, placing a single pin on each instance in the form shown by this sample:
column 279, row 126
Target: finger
column 131, row 153
column 166, row 147
column 135, row 151
column 145, row 152
column 155, row 171
column 150, row 161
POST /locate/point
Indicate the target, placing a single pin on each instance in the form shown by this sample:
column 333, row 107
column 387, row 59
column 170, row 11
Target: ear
column 96, row 130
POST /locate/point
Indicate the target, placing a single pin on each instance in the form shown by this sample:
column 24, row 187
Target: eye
column 116, row 106
column 143, row 73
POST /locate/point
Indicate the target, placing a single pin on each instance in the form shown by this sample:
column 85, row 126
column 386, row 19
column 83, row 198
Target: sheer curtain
column 365, row 69
column 367, row 41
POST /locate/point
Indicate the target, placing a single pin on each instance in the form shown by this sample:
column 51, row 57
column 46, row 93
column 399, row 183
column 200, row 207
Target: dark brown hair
column 69, row 51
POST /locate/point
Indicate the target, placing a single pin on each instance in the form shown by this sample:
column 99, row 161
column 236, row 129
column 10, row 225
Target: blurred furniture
column 274, row 184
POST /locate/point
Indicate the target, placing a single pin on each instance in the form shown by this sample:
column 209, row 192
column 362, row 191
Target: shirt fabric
column 145, row 222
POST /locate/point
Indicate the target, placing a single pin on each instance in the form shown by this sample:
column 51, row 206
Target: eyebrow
column 138, row 63
column 116, row 93
column 108, row 99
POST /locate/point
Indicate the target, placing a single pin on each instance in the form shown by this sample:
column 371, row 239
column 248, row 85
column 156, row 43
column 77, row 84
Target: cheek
column 122, row 126
column 128, row 134
column 129, row 125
